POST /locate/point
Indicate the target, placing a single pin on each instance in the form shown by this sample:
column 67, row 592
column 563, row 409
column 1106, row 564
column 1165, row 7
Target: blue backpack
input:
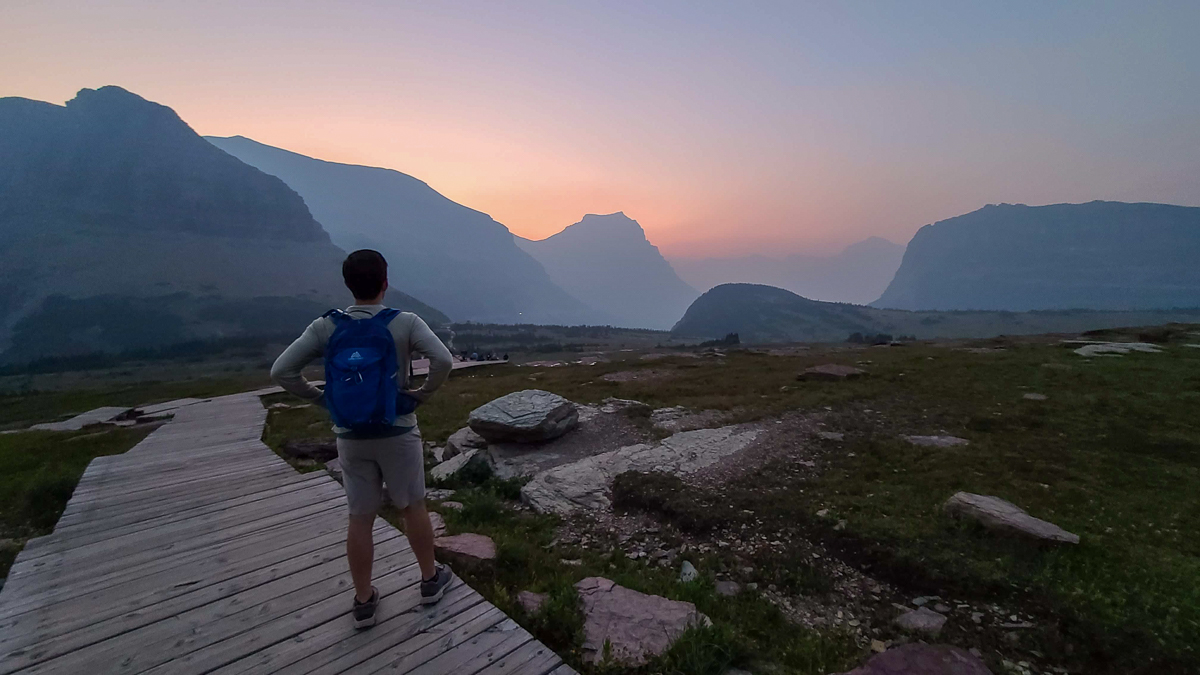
column 361, row 368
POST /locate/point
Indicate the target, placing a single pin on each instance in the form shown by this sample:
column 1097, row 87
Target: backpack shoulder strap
column 386, row 315
column 337, row 316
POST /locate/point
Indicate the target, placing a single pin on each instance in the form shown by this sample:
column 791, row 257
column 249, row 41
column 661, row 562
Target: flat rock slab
column 437, row 523
column 635, row 625
column 679, row 418
column 586, row 483
column 922, row 620
column 97, row 416
column 922, row 659
column 831, row 372
column 936, row 441
column 528, row 416
column 469, row 548
column 1002, row 516
column 1103, row 348
column 463, row 440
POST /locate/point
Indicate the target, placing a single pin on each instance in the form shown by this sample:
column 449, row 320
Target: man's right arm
column 286, row 372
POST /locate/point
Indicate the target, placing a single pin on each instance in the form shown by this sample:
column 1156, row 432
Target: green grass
column 1112, row 455
column 38, row 473
column 24, row 409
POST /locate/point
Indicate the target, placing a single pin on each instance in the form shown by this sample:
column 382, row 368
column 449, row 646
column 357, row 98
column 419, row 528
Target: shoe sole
column 365, row 623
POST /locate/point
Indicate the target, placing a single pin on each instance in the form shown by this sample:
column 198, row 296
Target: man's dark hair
column 365, row 272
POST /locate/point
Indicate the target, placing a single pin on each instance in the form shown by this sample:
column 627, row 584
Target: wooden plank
column 196, row 584
column 188, row 532
column 158, row 519
column 531, row 658
column 337, row 645
column 86, row 580
column 260, row 635
column 422, row 647
column 481, row 650
column 184, row 632
column 55, row 570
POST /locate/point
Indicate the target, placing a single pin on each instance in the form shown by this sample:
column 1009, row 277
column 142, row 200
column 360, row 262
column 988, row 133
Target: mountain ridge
column 1097, row 255
column 607, row 262
column 458, row 258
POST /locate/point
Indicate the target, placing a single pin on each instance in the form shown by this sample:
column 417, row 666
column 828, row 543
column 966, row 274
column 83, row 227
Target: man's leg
column 360, row 551
column 420, row 536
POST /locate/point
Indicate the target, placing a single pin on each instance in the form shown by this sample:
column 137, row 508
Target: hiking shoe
column 432, row 590
column 364, row 612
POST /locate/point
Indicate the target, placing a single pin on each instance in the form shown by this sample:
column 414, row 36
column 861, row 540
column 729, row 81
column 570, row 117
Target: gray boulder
column 1002, row 516
column 636, row 626
column 923, row 659
column 526, row 416
column 461, row 441
column 532, row 602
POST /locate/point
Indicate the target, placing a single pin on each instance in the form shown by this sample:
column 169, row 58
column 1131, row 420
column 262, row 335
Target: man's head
column 365, row 273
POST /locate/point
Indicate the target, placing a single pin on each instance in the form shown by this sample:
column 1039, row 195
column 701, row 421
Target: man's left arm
column 423, row 341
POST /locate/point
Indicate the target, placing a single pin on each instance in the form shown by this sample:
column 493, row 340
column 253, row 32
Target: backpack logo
column 355, row 357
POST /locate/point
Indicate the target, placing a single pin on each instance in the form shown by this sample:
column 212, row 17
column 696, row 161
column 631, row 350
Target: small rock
column 822, row 513
column 977, row 617
column 831, row 372
column 936, row 441
column 831, row 436
column 728, row 589
column 461, row 441
column 841, row 525
column 318, row 450
column 921, row 601
column 996, row 514
column 922, row 620
column 923, row 659
column 452, row 466
column 454, row 506
column 1034, row 397
column 438, row 495
column 878, row 646
column 688, row 573
column 633, row 627
column 439, row 454
column 531, row 602
column 944, row 609
column 752, row 586
column 334, row 467
column 469, row 548
column 572, row 563
column 437, row 523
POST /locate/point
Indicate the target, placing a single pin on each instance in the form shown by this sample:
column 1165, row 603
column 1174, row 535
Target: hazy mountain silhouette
column 606, row 262
column 766, row 314
column 858, row 274
column 457, row 258
column 1101, row 255
column 114, row 198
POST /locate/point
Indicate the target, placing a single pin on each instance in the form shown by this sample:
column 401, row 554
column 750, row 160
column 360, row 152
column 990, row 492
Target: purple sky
column 724, row 128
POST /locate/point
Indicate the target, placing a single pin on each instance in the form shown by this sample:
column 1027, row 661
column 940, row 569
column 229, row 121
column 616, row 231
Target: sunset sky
column 724, row 128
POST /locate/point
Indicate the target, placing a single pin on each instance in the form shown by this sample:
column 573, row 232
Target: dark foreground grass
column 38, row 473
column 746, row 631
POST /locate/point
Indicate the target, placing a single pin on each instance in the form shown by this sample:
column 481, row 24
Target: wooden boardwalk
column 201, row 551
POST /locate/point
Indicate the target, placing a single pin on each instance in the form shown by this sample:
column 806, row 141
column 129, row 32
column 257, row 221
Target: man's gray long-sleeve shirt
column 411, row 334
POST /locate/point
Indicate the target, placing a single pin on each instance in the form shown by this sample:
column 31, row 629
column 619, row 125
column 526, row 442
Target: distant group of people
column 475, row 356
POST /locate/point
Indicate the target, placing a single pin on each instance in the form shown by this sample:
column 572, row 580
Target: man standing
column 380, row 442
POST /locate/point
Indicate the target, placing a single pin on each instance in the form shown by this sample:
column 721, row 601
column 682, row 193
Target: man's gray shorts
column 367, row 464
